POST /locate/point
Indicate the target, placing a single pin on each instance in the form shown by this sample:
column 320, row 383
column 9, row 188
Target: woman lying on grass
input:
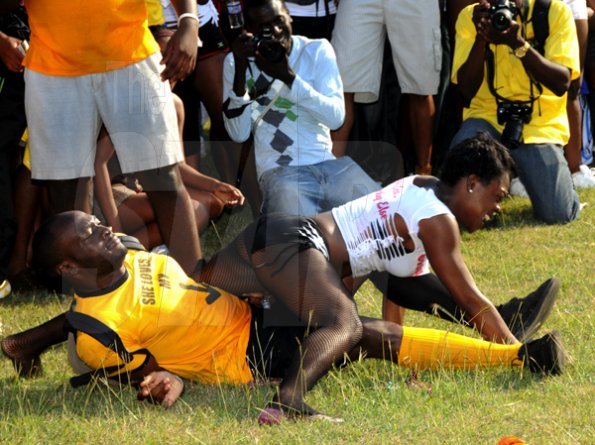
column 194, row 331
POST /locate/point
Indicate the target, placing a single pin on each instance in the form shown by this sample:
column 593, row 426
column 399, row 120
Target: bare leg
column 392, row 311
column 174, row 213
column 208, row 82
column 422, row 112
column 28, row 196
column 69, row 194
column 206, row 207
column 341, row 135
column 194, row 159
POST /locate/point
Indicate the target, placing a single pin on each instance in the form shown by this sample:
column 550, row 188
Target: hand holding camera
column 495, row 21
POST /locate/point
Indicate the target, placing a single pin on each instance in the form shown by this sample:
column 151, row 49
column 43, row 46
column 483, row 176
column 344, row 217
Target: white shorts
column 413, row 28
column 65, row 113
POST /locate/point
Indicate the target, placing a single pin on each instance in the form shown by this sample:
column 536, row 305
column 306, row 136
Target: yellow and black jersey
column 193, row 330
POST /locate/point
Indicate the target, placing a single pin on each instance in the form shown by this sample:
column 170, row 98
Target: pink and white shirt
column 368, row 227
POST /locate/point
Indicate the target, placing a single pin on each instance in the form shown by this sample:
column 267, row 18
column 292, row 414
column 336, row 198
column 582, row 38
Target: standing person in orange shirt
column 109, row 72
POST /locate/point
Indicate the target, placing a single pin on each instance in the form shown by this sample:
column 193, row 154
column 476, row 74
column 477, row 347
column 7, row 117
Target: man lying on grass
column 186, row 329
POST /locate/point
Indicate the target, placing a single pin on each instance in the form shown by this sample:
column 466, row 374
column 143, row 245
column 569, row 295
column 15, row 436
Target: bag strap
column 541, row 26
column 77, row 321
column 131, row 242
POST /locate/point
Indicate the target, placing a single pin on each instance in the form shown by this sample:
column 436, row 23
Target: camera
column 502, row 12
column 514, row 115
column 267, row 46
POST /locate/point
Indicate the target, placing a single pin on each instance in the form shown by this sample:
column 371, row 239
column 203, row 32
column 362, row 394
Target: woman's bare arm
column 441, row 238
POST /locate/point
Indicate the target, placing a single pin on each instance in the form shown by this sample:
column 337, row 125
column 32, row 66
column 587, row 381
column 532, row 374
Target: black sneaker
column 524, row 316
column 545, row 356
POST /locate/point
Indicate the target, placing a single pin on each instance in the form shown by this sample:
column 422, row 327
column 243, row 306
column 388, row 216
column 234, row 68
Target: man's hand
column 179, row 56
column 10, row 53
column 278, row 70
column 486, row 31
column 242, row 48
column 161, row 387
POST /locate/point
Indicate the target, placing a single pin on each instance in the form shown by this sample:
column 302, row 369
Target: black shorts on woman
column 276, row 333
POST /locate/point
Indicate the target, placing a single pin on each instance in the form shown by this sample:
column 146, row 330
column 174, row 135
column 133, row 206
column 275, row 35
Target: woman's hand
column 161, row 387
column 228, row 194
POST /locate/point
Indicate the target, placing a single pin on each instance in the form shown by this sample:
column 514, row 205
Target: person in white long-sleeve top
column 288, row 93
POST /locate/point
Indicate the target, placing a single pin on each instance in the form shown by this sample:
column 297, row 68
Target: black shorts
column 275, row 229
column 272, row 346
column 212, row 41
column 160, row 31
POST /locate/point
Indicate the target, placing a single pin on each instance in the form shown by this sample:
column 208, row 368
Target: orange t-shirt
column 78, row 37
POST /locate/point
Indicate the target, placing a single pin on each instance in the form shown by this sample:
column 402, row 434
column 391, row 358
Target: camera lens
column 271, row 50
column 512, row 134
column 501, row 19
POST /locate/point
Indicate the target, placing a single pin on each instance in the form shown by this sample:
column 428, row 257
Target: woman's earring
column 470, row 190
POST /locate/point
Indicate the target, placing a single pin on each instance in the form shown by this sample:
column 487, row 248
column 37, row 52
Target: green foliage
column 479, row 407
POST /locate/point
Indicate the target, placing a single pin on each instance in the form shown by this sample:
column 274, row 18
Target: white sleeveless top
column 367, row 225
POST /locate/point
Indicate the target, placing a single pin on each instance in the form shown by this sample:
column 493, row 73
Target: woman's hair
column 481, row 155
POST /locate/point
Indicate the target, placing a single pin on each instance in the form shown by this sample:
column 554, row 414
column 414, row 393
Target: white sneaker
column 517, row 188
column 584, row 178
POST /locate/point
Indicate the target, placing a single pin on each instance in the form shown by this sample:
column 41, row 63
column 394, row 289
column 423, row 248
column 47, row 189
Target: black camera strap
column 541, row 8
column 541, row 25
column 489, row 58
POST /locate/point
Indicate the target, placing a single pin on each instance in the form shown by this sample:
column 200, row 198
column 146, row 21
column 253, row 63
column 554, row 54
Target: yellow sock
column 423, row 348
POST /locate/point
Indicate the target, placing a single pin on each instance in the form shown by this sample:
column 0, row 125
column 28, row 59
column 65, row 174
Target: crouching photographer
column 513, row 62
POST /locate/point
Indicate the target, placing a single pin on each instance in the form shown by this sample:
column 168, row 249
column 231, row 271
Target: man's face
column 91, row 245
column 275, row 17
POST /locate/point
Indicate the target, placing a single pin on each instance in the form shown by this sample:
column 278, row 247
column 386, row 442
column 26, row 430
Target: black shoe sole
column 559, row 357
column 531, row 325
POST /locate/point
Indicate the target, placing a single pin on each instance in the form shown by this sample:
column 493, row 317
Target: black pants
column 272, row 344
column 425, row 293
column 12, row 125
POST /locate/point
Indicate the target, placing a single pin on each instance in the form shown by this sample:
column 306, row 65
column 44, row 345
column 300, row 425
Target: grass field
column 476, row 407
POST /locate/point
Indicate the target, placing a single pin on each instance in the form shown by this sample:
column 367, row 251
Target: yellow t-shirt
column 549, row 122
column 193, row 330
column 155, row 12
column 74, row 38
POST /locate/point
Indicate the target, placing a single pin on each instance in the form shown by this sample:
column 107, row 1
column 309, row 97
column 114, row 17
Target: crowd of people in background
column 301, row 161
column 108, row 119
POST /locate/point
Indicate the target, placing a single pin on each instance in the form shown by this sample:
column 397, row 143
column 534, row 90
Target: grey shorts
column 65, row 113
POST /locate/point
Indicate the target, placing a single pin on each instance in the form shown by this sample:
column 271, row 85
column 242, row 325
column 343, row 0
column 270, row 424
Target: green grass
column 476, row 407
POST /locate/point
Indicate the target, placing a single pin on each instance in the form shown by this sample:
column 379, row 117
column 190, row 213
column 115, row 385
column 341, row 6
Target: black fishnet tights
column 230, row 269
column 24, row 348
column 311, row 289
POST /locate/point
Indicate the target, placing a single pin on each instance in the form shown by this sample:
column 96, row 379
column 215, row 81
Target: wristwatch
column 521, row 51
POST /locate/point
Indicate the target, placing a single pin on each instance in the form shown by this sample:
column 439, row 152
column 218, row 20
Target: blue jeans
column 311, row 189
column 542, row 169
